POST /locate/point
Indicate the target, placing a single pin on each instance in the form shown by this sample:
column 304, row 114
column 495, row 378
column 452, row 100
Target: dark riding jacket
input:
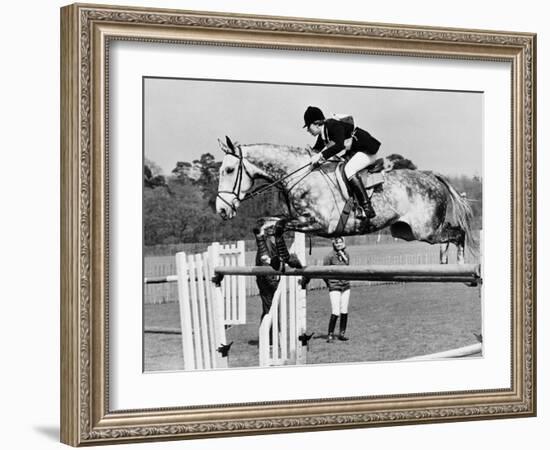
column 337, row 258
column 338, row 131
column 271, row 281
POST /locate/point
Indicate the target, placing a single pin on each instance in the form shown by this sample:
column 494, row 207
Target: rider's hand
column 317, row 160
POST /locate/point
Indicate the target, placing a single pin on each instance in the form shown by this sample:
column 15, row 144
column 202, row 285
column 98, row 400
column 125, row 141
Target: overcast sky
column 437, row 130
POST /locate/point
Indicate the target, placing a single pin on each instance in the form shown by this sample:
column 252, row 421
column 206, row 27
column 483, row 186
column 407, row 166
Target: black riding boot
column 343, row 325
column 361, row 196
column 331, row 327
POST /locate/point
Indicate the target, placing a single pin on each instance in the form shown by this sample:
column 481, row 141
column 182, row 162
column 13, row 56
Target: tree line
column 180, row 207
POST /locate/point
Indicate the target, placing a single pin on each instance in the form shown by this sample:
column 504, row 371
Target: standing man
column 338, row 290
column 333, row 136
column 266, row 251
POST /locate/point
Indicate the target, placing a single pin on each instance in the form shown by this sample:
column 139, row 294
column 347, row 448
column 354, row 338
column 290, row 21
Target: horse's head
column 236, row 180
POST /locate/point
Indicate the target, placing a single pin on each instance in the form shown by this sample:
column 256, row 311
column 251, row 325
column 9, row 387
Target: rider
column 333, row 136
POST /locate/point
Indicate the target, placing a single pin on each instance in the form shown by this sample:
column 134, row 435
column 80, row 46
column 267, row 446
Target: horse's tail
column 461, row 214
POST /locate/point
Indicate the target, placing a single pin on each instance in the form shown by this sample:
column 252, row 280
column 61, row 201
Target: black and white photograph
column 295, row 220
column 291, row 224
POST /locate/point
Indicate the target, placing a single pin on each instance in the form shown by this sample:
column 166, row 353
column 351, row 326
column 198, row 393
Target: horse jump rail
column 462, row 352
column 165, row 279
column 160, row 280
column 440, row 273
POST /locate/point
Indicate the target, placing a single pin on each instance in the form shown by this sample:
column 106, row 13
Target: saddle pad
column 373, row 180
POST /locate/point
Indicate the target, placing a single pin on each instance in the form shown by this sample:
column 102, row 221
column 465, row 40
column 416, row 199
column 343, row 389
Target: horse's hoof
column 276, row 263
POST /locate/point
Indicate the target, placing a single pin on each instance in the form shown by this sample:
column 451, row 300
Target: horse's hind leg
column 460, row 249
column 456, row 236
column 444, row 253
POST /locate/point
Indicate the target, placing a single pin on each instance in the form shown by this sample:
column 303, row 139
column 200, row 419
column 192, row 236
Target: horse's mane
column 289, row 148
column 390, row 162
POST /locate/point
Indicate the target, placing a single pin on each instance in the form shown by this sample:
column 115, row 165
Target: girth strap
column 344, row 216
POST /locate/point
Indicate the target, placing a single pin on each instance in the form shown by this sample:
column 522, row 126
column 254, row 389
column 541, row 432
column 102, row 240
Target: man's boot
column 361, row 196
column 343, row 326
column 331, row 327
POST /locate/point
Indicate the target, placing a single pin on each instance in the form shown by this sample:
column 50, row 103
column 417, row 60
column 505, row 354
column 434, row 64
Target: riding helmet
column 312, row 114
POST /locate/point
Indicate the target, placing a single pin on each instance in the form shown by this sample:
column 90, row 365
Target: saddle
column 372, row 176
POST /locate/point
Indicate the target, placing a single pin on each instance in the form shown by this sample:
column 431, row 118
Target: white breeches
column 339, row 301
column 358, row 162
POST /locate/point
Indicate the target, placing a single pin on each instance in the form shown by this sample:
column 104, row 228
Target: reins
column 270, row 185
column 236, row 191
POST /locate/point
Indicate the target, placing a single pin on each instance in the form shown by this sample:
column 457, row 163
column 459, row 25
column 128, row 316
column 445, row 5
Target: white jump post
column 286, row 318
column 301, row 304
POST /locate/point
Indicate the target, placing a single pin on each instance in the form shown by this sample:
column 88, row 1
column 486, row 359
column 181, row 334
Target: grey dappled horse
column 414, row 204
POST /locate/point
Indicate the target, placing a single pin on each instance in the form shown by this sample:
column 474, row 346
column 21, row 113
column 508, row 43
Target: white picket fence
column 233, row 288
column 206, row 309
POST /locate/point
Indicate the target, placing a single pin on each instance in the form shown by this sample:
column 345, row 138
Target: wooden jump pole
column 441, row 273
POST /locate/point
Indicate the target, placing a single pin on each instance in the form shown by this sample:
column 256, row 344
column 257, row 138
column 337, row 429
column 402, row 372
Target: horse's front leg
column 282, row 250
column 267, row 222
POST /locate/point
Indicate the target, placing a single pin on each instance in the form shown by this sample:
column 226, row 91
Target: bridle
column 236, row 191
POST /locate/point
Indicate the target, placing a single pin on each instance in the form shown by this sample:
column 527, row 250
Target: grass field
column 386, row 323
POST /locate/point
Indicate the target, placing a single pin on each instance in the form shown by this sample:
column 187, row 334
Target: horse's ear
column 230, row 144
column 224, row 147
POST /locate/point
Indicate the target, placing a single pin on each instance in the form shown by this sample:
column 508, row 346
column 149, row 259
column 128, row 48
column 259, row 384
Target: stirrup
column 369, row 212
column 360, row 212
column 366, row 211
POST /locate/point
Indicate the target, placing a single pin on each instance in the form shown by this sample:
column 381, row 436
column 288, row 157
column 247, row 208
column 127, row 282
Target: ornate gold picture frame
column 87, row 33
